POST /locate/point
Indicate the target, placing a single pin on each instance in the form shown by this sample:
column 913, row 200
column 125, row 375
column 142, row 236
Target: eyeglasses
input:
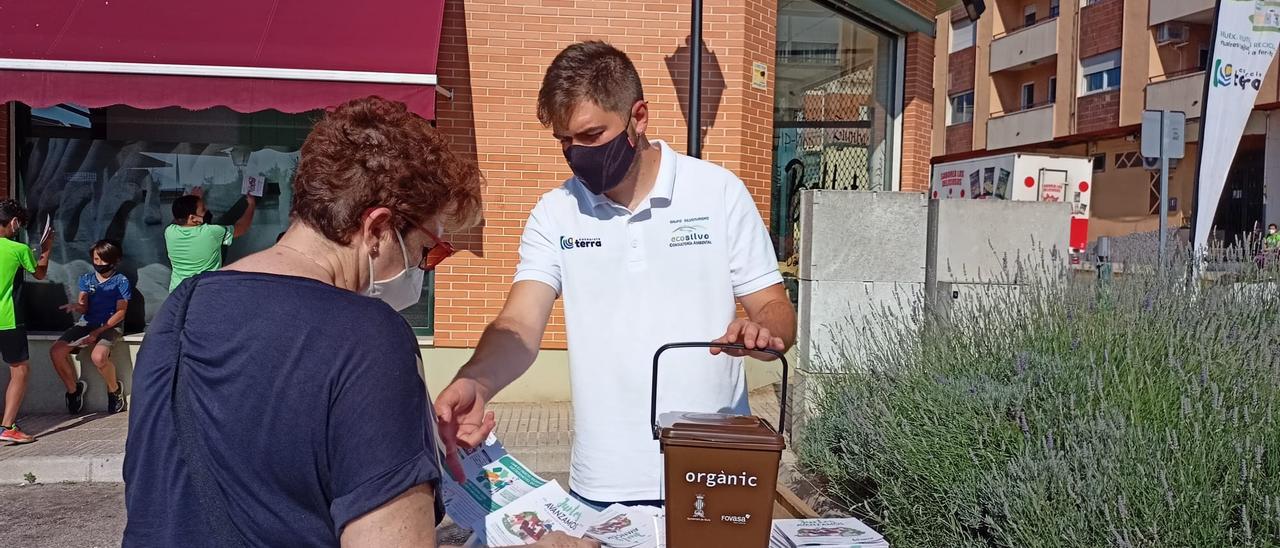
column 436, row 253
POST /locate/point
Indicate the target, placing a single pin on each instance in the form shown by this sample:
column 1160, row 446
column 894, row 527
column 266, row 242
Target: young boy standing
column 103, row 302
column 15, row 257
column 194, row 245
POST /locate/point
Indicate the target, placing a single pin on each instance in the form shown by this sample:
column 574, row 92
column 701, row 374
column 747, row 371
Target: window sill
column 1099, row 92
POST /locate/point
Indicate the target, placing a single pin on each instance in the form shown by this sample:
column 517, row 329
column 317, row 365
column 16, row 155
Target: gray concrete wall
column 985, row 241
column 866, row 257
column 858, row 251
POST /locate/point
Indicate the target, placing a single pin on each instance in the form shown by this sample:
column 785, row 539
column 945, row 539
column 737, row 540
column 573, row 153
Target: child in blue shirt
column 103, row 302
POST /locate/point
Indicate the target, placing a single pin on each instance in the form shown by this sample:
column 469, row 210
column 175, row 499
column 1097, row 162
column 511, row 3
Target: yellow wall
column 1172, row 58
column 941, row 56
column 1007, row 87
column 1136, row 42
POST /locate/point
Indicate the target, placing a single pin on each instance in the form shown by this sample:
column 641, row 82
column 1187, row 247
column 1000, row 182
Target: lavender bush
column 1068, row 413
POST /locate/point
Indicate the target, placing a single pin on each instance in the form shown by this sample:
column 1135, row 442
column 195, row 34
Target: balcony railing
column 1022, row 108
column 807, row 54
column 1025, row 127
column 1025, row 46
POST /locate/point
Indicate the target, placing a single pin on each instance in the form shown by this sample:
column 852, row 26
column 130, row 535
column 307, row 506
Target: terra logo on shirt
column 570, row 243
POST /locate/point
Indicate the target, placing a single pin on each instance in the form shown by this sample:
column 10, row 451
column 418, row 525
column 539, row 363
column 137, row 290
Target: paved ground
column 62, row 515
column 89, row 450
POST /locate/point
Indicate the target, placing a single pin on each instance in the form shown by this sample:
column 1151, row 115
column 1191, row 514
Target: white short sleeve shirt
column 635, row 280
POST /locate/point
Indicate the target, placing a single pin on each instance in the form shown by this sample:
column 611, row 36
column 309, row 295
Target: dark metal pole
column 695, row 82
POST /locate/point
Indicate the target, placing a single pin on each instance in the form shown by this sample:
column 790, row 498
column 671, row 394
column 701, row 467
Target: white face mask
column 402, row 290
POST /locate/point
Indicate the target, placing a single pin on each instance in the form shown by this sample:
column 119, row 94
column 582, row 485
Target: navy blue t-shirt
column 103, row 296
column 307, row 406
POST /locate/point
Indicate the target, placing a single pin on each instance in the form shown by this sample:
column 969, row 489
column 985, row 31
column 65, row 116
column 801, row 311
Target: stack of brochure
column 834, row 532
column 505, row 504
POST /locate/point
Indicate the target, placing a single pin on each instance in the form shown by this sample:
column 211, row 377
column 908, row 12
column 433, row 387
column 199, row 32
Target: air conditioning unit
column 1172, row 33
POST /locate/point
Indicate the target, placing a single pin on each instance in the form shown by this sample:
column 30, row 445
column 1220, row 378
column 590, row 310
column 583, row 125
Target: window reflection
column 115, row 172
column 832, row 112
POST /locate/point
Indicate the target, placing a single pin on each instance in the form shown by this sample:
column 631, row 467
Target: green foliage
column 1067, row 413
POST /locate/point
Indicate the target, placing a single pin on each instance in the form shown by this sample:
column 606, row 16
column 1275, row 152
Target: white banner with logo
column 1245, row 45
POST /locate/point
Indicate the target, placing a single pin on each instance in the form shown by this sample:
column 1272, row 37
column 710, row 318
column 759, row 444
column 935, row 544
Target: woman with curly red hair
column 279, row 401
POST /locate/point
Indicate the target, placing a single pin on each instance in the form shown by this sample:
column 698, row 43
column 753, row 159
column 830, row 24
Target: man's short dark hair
column 185, row 206
column 10, row 210
column 588, row 71
column 108, row 250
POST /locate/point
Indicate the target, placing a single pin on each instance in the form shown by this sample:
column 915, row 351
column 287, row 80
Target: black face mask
column 104, row 268
column 602, row 167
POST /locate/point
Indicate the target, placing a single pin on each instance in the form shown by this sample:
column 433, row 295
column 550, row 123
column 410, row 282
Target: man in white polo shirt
column 646, row 246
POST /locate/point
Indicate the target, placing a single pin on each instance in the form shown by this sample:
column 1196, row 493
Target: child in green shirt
column 14, row 258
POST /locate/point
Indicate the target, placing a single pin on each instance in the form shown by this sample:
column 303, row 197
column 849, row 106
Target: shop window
column 833, row 122
column 114, row 173
column 961, row 108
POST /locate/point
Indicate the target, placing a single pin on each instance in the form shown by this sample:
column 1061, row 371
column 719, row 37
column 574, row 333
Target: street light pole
column 695, row 82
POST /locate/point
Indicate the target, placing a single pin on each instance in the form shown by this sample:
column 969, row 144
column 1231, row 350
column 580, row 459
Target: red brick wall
column 1101, row 27
column 923, row 7
column 961, row 67
column 917, row 116
column 960, row 138
column 4, row 151
column 1098, row 112
column 492, row 56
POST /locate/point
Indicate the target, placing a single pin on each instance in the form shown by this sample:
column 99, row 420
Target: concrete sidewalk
column 85, row 448
column 90, row 448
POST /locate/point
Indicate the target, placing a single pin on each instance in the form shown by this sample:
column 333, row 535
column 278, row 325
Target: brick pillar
column 917, row 115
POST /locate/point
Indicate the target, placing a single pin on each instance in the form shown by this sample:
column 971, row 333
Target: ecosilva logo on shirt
column 690, row 232
column 571, row 243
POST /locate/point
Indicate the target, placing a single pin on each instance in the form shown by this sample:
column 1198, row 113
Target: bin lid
column 719, row 430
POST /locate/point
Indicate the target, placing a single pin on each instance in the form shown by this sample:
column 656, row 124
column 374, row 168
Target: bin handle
column 653, row 395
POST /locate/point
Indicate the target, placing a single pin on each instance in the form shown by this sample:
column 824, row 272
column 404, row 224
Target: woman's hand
column 462, row 420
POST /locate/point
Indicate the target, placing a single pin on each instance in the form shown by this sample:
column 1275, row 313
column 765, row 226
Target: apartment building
column 1073, row 77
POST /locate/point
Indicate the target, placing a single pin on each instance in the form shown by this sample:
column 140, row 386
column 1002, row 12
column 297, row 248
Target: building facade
column 796, row 94
column 1073, row 77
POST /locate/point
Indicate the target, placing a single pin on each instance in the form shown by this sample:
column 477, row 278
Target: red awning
column 249, row 55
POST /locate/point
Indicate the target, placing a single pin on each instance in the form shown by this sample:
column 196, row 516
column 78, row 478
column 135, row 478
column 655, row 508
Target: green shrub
column 1068, row 413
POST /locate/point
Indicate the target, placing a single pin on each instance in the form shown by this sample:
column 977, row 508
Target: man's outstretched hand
column 463, row 421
